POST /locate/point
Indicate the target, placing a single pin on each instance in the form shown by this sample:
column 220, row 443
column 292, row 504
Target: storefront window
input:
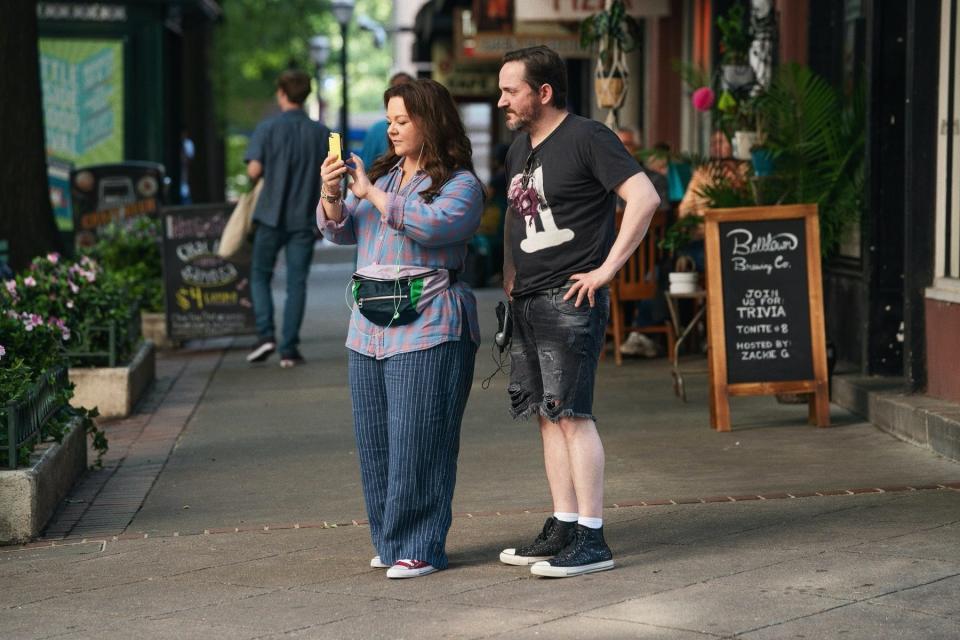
column 947, row 265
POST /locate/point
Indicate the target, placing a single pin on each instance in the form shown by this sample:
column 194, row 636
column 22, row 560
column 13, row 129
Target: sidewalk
column 230, row 506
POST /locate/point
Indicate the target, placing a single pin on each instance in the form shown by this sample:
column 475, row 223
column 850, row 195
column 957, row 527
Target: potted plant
column 613, row 33
column 735, row 40
column 684, row 277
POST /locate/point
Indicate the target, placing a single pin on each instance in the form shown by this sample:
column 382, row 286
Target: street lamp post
column 343, row 11
column 319, row 53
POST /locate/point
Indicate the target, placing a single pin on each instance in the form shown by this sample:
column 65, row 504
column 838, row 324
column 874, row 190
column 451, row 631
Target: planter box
column 153, row 326
column 29, row 496
column 114, row 391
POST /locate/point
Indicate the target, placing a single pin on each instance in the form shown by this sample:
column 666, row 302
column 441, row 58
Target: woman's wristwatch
column 337, row 199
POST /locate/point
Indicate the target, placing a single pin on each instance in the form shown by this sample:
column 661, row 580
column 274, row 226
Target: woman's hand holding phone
column 331, row 174
column 360, row 185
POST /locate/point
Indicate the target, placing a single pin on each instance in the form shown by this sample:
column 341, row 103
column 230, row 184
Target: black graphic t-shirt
column 561, row 201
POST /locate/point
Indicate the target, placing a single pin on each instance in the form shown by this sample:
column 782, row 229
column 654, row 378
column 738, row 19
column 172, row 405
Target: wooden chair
column 637, row 280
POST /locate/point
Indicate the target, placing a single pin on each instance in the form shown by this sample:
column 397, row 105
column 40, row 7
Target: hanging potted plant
column 735, row 40
column 613, row 33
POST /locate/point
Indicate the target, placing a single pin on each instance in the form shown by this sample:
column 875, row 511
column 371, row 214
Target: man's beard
column 523, row 119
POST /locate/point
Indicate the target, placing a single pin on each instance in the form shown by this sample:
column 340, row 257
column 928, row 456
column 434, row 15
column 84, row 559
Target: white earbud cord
column 348, row 293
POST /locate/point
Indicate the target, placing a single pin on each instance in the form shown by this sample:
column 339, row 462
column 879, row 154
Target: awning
column 577, row 10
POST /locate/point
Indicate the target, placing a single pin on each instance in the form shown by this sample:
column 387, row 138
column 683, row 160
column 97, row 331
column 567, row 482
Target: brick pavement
column 105, row 500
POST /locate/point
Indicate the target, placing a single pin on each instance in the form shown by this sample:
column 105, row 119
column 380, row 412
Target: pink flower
column 703, row 99
column 29, row 281
column 32, row 321
column 53, row 257
column 73, row 287
column 61, row 325
column 3, row 352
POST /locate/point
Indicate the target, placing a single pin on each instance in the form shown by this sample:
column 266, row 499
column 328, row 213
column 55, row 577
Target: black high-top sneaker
column 586, row 553
column 555, row 536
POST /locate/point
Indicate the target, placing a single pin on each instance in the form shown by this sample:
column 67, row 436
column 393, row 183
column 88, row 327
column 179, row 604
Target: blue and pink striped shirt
column 413, row 232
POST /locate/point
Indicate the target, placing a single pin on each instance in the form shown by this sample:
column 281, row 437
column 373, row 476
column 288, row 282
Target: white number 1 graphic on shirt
column 550, row 236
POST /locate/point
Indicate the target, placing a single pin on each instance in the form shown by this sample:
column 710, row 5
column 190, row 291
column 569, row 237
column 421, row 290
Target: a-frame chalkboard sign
column 765, row 307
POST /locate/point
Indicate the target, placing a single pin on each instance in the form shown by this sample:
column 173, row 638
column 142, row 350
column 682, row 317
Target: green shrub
column 31, row 349
column 131, row 253
column 77, row 298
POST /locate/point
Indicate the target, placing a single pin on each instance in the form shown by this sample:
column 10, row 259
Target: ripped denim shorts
column 554, row 353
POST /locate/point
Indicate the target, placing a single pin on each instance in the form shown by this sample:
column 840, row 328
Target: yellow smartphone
column 336, row 148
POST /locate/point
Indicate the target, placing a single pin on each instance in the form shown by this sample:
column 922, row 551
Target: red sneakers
column 410, row 569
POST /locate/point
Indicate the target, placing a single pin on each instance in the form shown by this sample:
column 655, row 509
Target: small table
column 682, row 332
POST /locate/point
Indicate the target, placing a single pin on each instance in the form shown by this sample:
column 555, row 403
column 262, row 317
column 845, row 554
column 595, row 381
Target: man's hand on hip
column 585, row 285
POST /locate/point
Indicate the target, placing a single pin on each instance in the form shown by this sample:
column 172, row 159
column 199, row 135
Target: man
column 560, row 252
column 375, row 142
column 286, row 150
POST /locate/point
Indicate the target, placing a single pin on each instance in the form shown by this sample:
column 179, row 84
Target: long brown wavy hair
column 446, row 147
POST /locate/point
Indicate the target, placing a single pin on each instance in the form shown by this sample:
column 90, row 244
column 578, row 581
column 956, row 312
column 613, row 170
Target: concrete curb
column 920, row 420
column 153, row 326
column 114, row 391
column 29, row 496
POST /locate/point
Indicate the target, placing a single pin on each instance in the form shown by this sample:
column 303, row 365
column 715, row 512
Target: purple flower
column 32, row 321
column 29, row 281
column 61, row 325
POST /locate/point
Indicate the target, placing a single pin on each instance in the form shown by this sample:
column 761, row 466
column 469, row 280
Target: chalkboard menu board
column 765, row 306
column 767, row 301
column 206, row 296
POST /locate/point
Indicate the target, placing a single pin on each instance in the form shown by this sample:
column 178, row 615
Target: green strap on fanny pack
column 416, row 288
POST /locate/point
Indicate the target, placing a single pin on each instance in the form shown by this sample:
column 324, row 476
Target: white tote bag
column 235, row 243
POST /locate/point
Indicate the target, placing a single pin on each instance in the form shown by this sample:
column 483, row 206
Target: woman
column 418, row 207
column 721, row 166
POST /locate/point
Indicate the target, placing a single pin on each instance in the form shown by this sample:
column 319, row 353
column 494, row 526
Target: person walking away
column 560, row 253
column 410, row 376
column 285, row 151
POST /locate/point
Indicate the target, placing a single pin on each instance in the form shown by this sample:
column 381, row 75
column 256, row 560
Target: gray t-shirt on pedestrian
column 291, row 147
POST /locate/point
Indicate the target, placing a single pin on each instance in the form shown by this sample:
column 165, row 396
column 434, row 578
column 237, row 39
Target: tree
column 26, row 217
column 261, row 38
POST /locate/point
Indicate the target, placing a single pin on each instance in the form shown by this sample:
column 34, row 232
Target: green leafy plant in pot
column 683, row 277
column 735, row 40
column 613, row 33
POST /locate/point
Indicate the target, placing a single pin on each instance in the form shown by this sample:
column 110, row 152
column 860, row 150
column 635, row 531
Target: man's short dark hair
column 295, row 84
column 542, row 66
column 400, row 77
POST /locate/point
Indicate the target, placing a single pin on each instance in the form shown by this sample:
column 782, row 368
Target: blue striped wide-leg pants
column 407, row 411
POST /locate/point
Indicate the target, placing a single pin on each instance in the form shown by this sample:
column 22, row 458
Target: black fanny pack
column 397, row 301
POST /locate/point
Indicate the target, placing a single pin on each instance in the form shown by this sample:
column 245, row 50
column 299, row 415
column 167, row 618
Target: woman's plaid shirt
column 413, row 232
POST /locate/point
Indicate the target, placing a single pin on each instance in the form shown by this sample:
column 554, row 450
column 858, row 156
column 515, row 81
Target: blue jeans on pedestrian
column 298, row 250
column 407, row 411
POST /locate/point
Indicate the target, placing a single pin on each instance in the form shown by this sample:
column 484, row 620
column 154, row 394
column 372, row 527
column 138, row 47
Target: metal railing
column 24, row 419
column 81, row 347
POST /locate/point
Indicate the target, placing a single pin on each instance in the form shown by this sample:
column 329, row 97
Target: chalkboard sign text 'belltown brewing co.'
column 765, row 304
column 206, row 295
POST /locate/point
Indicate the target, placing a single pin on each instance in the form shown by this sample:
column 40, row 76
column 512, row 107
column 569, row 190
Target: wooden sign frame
column 720, row 388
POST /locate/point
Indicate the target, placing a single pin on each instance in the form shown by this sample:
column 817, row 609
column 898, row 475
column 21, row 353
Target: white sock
column 565, row 517
column 590, row 523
